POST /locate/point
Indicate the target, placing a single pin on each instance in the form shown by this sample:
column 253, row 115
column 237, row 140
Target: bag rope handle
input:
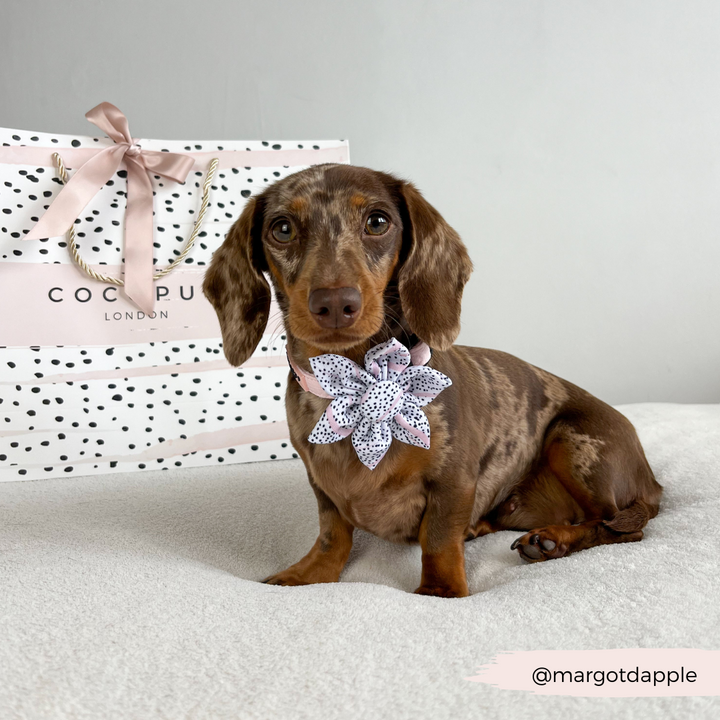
column 72, row 244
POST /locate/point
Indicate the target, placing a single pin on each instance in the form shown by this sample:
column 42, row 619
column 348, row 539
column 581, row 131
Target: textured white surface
column 136, row 596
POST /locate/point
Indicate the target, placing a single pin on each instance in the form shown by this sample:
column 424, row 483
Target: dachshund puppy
column 358, row 257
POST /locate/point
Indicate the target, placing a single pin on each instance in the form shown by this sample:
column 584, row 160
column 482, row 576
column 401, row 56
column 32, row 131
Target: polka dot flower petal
column 378, row 403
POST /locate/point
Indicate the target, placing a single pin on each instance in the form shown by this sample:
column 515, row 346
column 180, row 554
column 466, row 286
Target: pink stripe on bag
column 74, row 158
column 60, row 306
column 218, row 439
column 148, row 370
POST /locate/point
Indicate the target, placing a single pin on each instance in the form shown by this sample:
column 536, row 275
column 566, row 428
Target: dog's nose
column 335, row 307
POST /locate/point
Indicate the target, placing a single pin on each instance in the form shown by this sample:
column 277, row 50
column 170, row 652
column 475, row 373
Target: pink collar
column 419, row 355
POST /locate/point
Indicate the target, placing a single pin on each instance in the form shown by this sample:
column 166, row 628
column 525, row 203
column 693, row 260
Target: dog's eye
column 377, row 224
column 283, row 231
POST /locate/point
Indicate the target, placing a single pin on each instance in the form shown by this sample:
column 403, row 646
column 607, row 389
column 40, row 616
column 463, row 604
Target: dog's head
column 346, row 248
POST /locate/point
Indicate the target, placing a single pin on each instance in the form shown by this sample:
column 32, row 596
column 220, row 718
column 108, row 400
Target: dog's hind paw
column 539, row 545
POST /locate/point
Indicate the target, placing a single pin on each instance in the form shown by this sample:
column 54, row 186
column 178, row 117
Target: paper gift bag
column 100, row 377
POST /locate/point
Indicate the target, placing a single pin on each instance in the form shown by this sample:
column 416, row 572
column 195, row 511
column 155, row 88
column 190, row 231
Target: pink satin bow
column 89, row 178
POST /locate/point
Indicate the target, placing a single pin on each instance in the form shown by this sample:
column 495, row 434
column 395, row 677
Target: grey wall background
column 574, row 145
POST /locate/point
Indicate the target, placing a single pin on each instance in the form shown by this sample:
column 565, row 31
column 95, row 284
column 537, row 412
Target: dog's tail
column 633, row 518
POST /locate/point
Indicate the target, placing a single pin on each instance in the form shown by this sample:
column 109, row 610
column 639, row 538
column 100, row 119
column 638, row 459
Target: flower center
column 380, row 400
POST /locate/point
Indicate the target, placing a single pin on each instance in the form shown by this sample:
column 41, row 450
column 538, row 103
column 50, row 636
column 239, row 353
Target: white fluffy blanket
column 136, row 596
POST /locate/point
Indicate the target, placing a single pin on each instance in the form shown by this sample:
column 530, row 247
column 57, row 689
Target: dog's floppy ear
column 236, row 287
column 435, row 269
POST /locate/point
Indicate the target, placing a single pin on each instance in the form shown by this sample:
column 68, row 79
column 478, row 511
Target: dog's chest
column 388, row 501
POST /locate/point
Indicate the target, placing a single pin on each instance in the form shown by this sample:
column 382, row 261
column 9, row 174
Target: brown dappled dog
column 357, row 257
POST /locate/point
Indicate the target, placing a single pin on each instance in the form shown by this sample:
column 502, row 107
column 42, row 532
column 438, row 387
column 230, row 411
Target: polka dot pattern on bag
column 93, row 410
column 94, row 425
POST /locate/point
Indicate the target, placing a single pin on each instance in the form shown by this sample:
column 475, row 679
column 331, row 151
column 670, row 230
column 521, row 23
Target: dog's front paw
column 305, row 573
column 286, row 578
column 445, row 591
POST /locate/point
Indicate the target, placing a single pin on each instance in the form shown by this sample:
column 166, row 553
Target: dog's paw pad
column 539, row 545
